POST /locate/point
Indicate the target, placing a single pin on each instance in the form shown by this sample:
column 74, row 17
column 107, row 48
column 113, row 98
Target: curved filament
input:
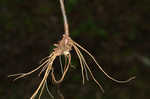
column 44, row 68
column 81, row 64
column 42, row 88
column 118, row 81
column 49, row 62
column 65, row 63
column 61, row 66
column 83, row 60
column 65, row 71
column 20, row 75
column 42, row 83
column 86, row 73
column 50, row 94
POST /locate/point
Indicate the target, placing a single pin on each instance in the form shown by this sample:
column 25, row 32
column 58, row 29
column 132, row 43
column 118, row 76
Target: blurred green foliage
column 70, row 5
column 89, row 27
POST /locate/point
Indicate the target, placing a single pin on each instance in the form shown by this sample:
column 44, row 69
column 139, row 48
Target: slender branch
column 66, row 27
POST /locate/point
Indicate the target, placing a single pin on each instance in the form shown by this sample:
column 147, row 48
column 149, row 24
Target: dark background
column 116, row 32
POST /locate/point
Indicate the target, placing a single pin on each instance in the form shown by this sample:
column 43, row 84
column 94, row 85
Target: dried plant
column 63, row 47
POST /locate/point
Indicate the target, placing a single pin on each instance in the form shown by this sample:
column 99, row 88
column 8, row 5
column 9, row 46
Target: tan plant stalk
column 63, row 48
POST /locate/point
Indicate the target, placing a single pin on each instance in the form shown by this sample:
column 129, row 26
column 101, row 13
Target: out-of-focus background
column 116, row 32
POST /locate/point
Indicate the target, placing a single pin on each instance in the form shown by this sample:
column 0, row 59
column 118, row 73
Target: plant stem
column 66, row 27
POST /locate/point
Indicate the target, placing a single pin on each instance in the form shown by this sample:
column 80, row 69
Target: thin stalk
column 66, row 26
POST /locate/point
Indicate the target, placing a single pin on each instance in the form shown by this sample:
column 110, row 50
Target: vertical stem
column 66, row 27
